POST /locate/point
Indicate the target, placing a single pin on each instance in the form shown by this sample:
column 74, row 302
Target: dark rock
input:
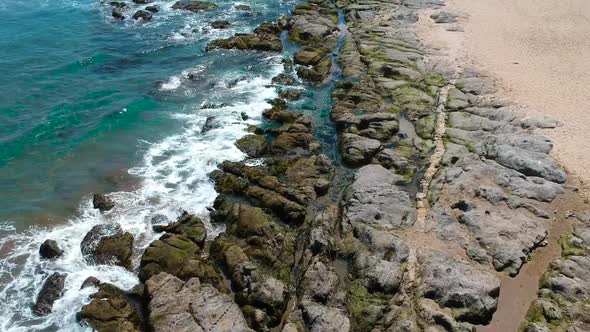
column 220, row 24
column 259, row 42
column 108, row 244
column 283, row 79
column 194, row 6
column 90, row 281
column 51, row 291
column 102, row 202
column 49, row 249
column 153, row 9
column 142, row 1
column 142, row 14
column 244, row 8
column 290, row 94
column 118, row 4
column 117, row 15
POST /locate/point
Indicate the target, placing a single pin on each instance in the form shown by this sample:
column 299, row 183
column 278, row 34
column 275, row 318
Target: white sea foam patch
column 175, row 177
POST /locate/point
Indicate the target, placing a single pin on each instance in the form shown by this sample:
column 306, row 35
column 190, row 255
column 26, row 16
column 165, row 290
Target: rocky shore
column 440, row 193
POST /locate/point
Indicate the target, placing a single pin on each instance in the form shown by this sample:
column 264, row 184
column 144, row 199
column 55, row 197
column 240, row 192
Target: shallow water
column 89, row 104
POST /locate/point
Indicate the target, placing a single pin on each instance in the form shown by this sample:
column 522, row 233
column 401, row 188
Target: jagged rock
column 187, row 225
column 220, row 24
column 108, row 244
column 471, row 293
column 374, row 198
column 102, row 202
column 320, row 318
column 317, row 73
column 49, row 249
column 112, row 309
column 170, row 254
column 141, row 2
column 264, row 38
column 283, row 79
column 190, row 306
column 142, row 14
column 290, row 94
column 194, row 6
column 358, row 150
column 309, row 56
column 51, row 290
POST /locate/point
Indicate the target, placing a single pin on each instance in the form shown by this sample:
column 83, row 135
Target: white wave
column 172, row 84
column 174, row 175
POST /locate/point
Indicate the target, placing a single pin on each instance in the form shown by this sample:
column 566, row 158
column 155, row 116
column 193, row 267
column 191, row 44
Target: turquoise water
column 89, row 104
column 82, row 93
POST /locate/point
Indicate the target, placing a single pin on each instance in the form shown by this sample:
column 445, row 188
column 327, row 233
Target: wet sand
column 538, row 51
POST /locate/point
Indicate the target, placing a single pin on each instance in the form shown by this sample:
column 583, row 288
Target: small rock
column 106, row 244
column 322, row 186
column 220, row 24
column 283, row 79
column 141, row 2
column 118, row 15
column 102, row 202
column 244, row 8
column 52, row 290
column 142, row 14
column 49, row 249
column 90, row 281
column 118, row 4
column 153, row 9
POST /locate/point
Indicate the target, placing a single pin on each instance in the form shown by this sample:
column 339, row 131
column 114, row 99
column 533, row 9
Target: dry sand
column 538, row 51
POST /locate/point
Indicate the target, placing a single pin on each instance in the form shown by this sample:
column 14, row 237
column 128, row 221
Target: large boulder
column 52, row 290
column 113, row 309
column 194, row 6
column 176, row 305
column 375, row 199
column 470, row 292
column 49, row 250
column 108, row 244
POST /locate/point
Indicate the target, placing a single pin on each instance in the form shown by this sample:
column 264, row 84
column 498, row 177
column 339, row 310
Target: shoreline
column 314, row 242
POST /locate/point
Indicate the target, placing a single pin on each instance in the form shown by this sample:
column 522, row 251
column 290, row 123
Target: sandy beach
column 538, row 52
